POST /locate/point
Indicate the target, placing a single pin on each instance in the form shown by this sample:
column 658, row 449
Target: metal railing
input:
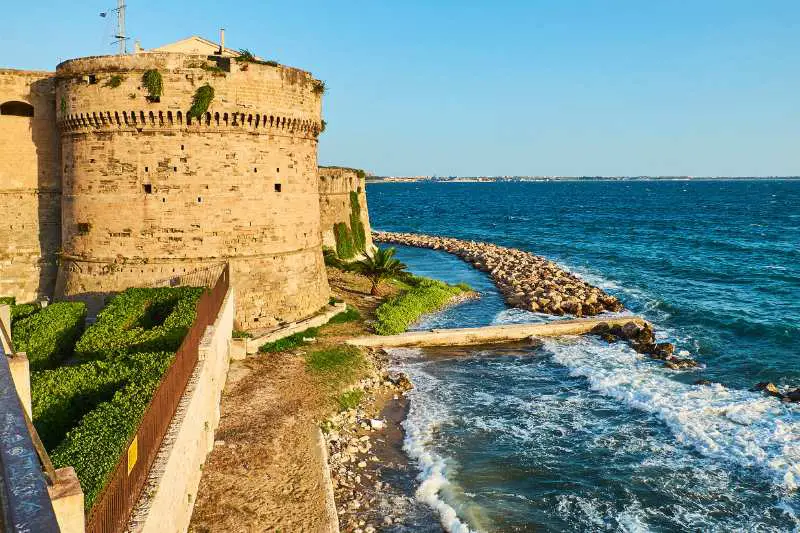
column 112, row 509
column 204, row 277
column 24, row 501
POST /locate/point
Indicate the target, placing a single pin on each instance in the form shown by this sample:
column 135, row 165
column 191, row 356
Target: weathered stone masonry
column 149, row 193
column 335, row 186
column 30, row 185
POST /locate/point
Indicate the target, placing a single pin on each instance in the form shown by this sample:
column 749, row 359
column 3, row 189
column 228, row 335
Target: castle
column 119, row 171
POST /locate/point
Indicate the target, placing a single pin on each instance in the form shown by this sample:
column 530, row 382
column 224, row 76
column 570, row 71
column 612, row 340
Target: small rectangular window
column 146, row 169
column 92, row 79
column 83, row 228
column 199, row 199
column 277, row 187
column 148, row 188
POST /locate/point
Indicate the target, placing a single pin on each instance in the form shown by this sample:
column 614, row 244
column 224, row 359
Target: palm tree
column 378, row 267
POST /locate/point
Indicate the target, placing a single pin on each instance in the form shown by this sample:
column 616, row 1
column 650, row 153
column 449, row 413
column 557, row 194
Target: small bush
column 7, row 300
column 398, row 313
column 319, row 87
column 289, row 343
column 202, row 99
column 114, row 81
column 350, row 399
column 62, row 396
column 239, row 334
column 154, row 84
column 141, row 320
column 331, row 259
column 48, row 336
column 349, row 315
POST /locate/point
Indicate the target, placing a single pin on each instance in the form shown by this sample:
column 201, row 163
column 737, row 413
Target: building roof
column 194, row 45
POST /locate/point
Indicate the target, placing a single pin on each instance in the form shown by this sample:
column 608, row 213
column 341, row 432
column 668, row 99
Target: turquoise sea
column 580, row 435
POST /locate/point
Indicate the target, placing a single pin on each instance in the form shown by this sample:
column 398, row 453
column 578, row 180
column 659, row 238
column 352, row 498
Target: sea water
column 580, row 435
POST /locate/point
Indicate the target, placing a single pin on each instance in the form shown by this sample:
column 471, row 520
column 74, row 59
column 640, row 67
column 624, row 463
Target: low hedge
column 141, row 320
column 289, row 343
column 427, row 295
column 62, row 396
column 98, row 442
column 48, row 336
column 18, row 312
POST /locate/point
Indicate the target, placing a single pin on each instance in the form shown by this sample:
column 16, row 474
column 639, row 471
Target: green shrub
column 398, row 313
column 319, row 87
column 154, row 84
column 289, row 343
column 48, row 336
column 345, row 248
column 351, row 314
column 18, row 312
column 7, row 300
column 331, row 259
column 114, row 81
column 98, row 442
column 202, row 99
column 350, row 399
column 141, row 320
column 62, row 396
column 239, row 334
column 336, row 363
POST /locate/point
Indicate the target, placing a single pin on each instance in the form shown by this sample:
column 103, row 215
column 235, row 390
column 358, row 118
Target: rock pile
column 526, row 280
column 354, row 466
column 642, row 339
column 772, row 390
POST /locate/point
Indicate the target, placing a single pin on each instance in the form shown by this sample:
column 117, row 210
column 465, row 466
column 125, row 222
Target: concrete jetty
column 491, row 334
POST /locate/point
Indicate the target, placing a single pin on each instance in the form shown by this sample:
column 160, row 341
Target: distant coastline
column 525, row 179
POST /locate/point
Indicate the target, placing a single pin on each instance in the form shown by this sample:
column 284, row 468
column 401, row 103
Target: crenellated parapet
column 151, row 191
column 258, row 123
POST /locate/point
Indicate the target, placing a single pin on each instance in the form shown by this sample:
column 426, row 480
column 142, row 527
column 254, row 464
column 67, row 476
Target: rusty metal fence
column 112, row 509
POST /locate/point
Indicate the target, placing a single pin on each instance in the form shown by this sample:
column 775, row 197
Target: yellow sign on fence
column 133, row 453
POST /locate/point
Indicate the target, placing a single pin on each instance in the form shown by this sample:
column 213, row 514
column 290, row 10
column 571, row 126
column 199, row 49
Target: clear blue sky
column 688, row 87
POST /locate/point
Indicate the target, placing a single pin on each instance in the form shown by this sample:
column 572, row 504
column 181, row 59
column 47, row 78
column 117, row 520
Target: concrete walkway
column 491, row 334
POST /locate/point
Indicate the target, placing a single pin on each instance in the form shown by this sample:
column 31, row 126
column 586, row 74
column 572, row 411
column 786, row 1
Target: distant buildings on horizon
column 491, row 179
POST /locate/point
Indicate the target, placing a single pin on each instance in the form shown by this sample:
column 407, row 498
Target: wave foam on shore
column 420, row 425
column 737, row 426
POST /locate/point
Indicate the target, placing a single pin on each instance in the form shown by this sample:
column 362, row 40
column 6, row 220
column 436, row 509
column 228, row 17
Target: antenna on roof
column 120, row 38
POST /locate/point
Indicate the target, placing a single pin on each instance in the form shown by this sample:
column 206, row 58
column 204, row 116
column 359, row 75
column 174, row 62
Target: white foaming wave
column 733, row 425
column 424, row 416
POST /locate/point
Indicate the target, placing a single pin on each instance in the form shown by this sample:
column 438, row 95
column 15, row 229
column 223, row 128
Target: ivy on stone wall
column 114, row 81
column 154, row 84
column 63, row 106
column 356, row 226
column 202, row 99
column 344, row 241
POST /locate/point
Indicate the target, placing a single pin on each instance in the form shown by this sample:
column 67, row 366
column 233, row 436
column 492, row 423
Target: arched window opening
column 16, row 109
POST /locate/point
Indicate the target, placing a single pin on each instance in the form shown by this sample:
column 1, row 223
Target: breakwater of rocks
column 525, row 280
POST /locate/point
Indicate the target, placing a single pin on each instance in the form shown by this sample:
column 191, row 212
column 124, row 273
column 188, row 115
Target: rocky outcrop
column 772, row 390
column 526, row 280
column 641, row 338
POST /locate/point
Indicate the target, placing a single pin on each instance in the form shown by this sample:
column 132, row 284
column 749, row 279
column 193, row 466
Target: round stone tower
column 152, row 191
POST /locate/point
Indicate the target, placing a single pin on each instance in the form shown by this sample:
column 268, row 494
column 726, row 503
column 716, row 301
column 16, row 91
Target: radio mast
column 119, row 38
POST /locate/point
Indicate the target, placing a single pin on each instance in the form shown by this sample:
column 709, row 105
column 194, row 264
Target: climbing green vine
column 154, row 84
column 202, row 99
column 114, row 81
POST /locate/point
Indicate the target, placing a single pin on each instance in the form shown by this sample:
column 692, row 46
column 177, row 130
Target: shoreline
column 525, row 280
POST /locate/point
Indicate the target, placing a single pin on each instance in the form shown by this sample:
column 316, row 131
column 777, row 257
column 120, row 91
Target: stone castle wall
column 30, row 185
column 149, row 192
column 335, row 186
